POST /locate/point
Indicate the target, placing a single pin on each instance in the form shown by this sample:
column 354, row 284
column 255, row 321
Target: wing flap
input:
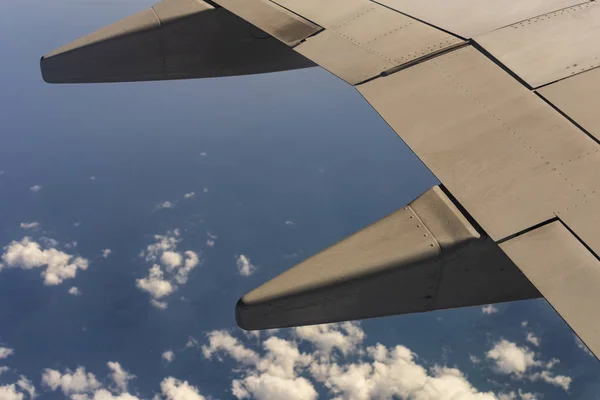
column 566, row 274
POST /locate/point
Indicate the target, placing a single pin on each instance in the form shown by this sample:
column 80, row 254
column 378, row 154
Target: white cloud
column 71, row 382
column 165, row 204
column 474, row 359
column 106, row 253
column 30, row 225
column 210, row 235
column 4, row 369
column 71, row 245
column 203, row 154
column 35, row 188
column 210, row 243
column 82, row 385
column 119, row 375
column 282, row 370
column 27, row 386
column 178, row 265
column 288, row 222
column 155, row 284
column 9, row 392
column 76, row 224
column 528, row 396
column 74, row 291
column 27, row 254
column 245, row 267
column 174, row 389
column 192, row 342
column 92, row 178
column 345, row 336
column 189, row 195
column 524, row 324
column 168, row 356
column 6, row 352
column 556, row 380
column 582, row 346
column 205, row 190
column 534, row 340
column 512, row 359
column 171, row 259
column 489, row 309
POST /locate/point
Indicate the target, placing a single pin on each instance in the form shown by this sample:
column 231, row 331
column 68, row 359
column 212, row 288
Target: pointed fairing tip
column 425, row 256
column 174, row 39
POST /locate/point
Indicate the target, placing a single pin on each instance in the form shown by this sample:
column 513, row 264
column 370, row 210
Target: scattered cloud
column 71, row 382
column 106, row 253
column 28, row 254
column 288, row 222
column 245, row 267
column 168, row 356
column 582, row 346
column 556, row 380
column 74, row 291
column 210, row 243
column 119, row 376
column 35, row 188
column 76, row 224
column 203, row 154
column 165, row 204
column 189, row 195
column 512, row 359
column 92, row 178
column 281, row 370
column 524, row 324
column 192, row 342
column 27, row 386
column 174, row 389
column 30, row 225
column 489, row 309
column 6, row 352
column 475, row 359
column 4, row 369
column 177, row 267
column 534, row 340
column 205, row 190
column 10, row 392
column 71, row 245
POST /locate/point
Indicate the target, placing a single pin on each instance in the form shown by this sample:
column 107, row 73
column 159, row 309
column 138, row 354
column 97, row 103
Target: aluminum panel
column 362, row 45
column 325, row 13
column 273, row 19
column 578, row 97
column 469, row 18
column 553, row 46
column 494, row 144
column 566, row 274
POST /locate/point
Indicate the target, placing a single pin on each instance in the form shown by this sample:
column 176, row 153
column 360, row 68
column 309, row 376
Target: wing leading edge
column 476, row 99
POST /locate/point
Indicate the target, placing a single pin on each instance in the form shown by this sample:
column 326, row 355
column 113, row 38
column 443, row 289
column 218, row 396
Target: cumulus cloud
column 30, row 225
column 556, row 380
column 82, row 385
column 534, row 340
column 59, row 265
column 119, row 376
column 282, row 370
column 174, row 389
column 6, row 352
column 512, row 359
column 168, row 356
column 177, row 267
column 244, row 266
column 582, row 346
column 35, row 188
column 9, row 392
column 27, row 386
column 489, row 309
column 345, row 337
column 165, row 204
column 74, row 291
column 189, row 195
column 475, row 359
column 106, row 253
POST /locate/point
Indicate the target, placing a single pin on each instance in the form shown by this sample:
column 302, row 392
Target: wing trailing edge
column 174, row 39
column 425, row 256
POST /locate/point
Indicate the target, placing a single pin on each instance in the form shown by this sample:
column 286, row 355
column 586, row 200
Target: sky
column 133, row 216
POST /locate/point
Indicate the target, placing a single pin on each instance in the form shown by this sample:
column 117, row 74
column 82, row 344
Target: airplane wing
column 498, row 99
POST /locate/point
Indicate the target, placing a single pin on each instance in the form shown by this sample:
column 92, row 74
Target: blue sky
column 280, row 167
